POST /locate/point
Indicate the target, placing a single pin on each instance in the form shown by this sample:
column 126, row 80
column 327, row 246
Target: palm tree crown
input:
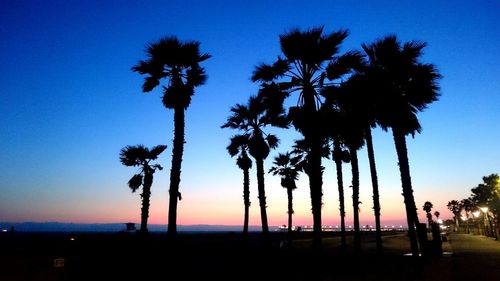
column 179, row 63
column 140, row 156
column 288, row 167
column 251, row 119
column 404, row 85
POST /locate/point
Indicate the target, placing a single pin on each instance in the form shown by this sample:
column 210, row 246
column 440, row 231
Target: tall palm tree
column 349, row 129
column 365, row 105
column 404, row 86
column 251, row 119
column 288, row 167
column 141, row 156
column 178, row 63
column 427, row 209
column 239, row 146
column 306, row 56
column 340, row 154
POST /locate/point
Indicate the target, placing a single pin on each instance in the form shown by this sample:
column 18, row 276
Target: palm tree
column 437, row 214
column 428, row 208
column 349, row 129
column 239, row 145
column 179, row 63
column 288, row 167
column 251, row 119
column 365, row 106
column 455, row 207
column 468, row 206
column 141, row 156
column 340, row 155
column 306, row 56
column 404, row 86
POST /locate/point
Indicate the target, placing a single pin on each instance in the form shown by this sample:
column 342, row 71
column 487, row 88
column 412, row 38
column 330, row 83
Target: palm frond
column 411, row 51
column 177, row 95
column 157, row 167
column 135, row 182
column 352, row 60
column 238, row 143
column 329, row 44
column 311, row 47
column 195, row 76
column 156, row 151
column 239, row 118
column 133, row 155
column 244, row 162
column 267, row 73
column 302, row 46
column 272, row 141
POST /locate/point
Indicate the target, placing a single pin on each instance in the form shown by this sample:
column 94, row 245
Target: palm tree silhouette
column 340, row 155
column 307, row 57
column 251, row 119
column 427, row 207
column 179, row 63
column 349, row 123
column 404, row 86
column 468, row 206
column 456, row 208
column 239, row 146
column 141, row 156
column 437, row 214
column 288, row 167
column 365, row 105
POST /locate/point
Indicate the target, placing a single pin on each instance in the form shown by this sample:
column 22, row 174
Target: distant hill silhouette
column 113, row 227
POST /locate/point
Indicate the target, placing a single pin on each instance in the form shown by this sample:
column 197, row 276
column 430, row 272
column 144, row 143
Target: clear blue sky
column 69, row 103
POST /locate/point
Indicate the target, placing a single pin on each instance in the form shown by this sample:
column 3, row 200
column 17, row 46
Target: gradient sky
column 69, row 103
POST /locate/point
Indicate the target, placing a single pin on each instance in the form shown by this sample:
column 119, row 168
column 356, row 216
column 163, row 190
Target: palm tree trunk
column 340, row 182
column 146, row 195
column 376, row 200
column 315, row 184
column 404, row 168
column 355, row 197
column 246, row 198
column 262, row 195
column 290, row 213
column 175, row 171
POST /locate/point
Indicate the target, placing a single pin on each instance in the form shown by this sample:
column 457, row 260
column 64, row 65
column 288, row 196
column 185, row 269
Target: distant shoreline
column 156, row 228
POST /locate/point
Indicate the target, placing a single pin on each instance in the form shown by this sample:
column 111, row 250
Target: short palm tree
column 178, row 63
column 468, row 206
column 456, row 208
column 437, row 214
column 403, row 86
column 287, row 166
column 141, row 156
column 252, row 119
column 307, row 57
column 239, row 146
column 428, row 208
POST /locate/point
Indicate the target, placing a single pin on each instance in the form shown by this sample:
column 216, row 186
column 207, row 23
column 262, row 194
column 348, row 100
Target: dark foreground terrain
column 227, row 256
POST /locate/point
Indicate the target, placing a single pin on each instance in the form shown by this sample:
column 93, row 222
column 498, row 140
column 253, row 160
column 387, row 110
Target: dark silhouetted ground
column 226, row 256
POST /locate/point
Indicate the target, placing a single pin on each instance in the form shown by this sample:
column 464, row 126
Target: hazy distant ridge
column 112, row 227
